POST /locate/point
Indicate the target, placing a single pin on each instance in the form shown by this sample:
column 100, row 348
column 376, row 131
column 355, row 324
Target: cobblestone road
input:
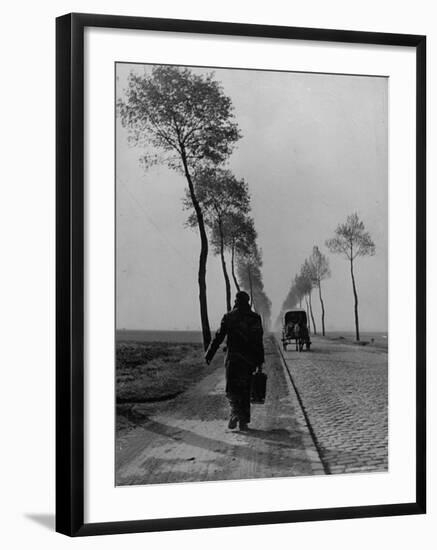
column 345, row 396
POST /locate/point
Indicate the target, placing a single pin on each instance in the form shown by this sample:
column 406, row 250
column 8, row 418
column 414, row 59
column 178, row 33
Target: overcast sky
column 314, row 149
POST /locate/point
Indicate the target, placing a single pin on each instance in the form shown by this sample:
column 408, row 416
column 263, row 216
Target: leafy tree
column 263, row 305
column 222, row 197
column 182, row 120
column 250, row 276
column 301, row 287
column 313, row 270
column 292, row 298
column 352, row 241
column 249, row 271
column 240, row 238
column 320, row 271
column 291, row 301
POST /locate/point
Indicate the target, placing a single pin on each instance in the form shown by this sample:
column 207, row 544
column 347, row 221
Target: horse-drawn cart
column 295, row 328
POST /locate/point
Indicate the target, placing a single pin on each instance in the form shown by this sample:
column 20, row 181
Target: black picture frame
column 70, row 273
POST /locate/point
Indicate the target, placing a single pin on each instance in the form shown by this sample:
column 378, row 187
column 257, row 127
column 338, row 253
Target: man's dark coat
column 245, row 350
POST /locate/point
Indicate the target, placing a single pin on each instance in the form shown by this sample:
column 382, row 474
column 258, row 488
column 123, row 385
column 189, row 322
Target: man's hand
column 259, row 368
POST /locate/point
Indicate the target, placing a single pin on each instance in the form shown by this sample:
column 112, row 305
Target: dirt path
column 187, row 440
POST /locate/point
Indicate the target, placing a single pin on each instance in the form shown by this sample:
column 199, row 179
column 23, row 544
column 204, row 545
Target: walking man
column 245, row 354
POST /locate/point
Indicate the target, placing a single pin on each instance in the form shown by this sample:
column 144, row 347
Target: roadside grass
column 156, row 371
column 149, row 374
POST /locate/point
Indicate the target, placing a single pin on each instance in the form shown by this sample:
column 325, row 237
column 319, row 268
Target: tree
column 249, row 271
column 352, row 241
column 241, row 237
column 320, row 271
column 292, row 298
column 290, row 302
column 264, row 305
column 303, row 286
column 222, row 197
column 307, row 273
column 183, row 120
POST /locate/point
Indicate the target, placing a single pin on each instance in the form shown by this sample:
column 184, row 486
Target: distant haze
column 314, row 149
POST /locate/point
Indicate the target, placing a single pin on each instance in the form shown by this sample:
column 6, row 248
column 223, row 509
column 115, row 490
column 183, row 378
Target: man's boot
column 232, row 422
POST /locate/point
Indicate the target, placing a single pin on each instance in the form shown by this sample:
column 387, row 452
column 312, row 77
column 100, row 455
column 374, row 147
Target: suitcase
column 258, row 387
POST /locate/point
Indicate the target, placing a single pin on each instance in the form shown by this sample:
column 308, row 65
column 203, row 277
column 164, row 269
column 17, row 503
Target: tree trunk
column 251, row 288
column 237, row 286
column 311, row 313
column 206, row 331
column 308, row 313
column 225, row 271
column 357, row 326
column 323, row 308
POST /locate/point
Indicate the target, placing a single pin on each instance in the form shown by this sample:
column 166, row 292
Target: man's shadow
column 274, row 435
column 46, row 520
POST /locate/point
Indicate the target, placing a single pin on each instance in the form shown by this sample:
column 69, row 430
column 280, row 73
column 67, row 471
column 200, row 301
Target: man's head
column 242, row 299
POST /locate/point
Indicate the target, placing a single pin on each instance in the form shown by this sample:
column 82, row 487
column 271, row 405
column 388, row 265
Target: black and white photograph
column 251, row 246
column 215, row 275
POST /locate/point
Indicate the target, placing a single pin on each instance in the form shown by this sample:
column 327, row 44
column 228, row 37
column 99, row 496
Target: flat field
column 153, row 372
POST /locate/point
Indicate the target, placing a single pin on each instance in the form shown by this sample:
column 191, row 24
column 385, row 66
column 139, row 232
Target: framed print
column 240, row 274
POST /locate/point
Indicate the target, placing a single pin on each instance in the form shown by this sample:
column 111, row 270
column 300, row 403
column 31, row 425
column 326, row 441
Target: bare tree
column 187, row 120
column 303, row 285
column 320, row 271
column 307, row 273
column 352, row 240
